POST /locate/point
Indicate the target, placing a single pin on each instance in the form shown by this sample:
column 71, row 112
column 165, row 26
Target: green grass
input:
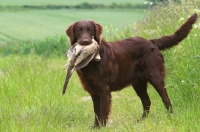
column 31, row 100
column 31, row 85
column 39, row 24
column 64, row 2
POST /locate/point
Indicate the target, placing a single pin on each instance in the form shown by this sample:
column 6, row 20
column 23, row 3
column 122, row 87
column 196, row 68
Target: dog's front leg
column 96, row 105
column 105, row 102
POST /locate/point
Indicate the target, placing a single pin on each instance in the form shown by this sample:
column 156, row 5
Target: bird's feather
column 78, row 57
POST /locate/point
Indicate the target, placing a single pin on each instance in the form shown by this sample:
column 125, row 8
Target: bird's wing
column 84, row 62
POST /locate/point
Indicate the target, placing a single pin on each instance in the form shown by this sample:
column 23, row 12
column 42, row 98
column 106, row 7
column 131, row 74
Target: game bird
column 78, row 57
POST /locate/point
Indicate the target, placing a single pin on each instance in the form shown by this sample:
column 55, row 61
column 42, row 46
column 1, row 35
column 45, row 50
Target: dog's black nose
column 85, row 41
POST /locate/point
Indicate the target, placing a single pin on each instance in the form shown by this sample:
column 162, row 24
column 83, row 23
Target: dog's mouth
column 85, row 41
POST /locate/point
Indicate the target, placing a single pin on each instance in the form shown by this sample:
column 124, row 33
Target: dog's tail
column 172, row 40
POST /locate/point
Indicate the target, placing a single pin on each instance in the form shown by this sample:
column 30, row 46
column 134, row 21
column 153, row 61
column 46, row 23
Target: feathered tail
column 172, row 40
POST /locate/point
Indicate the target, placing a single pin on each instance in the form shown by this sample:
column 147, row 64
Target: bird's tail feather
column 69, row 74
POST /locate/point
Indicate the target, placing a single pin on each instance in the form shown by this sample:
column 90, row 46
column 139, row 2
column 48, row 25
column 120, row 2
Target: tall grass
column 183, row 60
column 31, row 98
column 31, row 86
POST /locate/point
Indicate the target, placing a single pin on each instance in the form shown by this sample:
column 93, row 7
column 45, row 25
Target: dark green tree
column 164, row 1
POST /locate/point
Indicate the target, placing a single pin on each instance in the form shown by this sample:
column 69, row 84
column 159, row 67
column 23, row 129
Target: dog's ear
column 98, row 31
column 70, row 33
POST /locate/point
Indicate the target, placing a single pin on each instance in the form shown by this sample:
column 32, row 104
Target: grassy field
column 23, row 24
column 64, row 2
column 39, row 24
column 31, row 85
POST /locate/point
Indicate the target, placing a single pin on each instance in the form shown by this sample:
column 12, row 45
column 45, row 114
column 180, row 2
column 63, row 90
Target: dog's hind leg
column 140, row 87
column 157, row 81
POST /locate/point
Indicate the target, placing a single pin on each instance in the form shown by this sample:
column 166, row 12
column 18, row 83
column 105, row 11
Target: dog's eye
column 79, row 29
column 89, row 29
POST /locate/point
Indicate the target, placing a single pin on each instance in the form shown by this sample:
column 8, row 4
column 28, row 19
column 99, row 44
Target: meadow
column 40, row 24
column 32, row 75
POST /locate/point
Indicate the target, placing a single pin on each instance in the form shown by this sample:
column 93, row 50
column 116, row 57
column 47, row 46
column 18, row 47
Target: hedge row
column 55, row 46
column 79, row 6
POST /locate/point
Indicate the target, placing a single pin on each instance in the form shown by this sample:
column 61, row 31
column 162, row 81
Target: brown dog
column 134, row 61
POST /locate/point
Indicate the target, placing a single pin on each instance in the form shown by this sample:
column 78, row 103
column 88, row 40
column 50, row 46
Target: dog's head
column 82, row 32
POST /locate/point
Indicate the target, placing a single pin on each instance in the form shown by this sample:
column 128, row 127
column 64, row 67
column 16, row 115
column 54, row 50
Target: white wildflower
column 174, row 51
column 198, row 25
column 181, row 19
column 196, row 10
column 195, row 26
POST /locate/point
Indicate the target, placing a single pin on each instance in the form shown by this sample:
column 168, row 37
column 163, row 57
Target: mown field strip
column 39, row 24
